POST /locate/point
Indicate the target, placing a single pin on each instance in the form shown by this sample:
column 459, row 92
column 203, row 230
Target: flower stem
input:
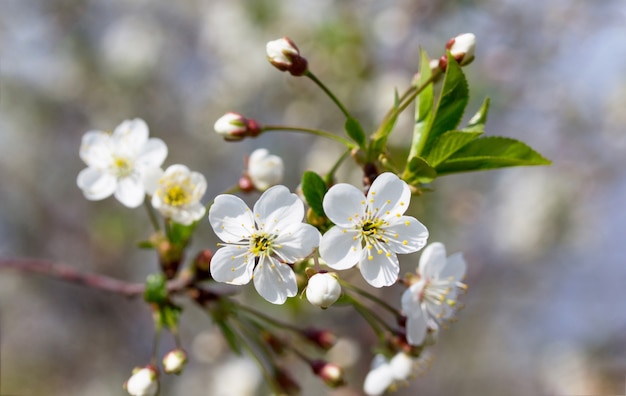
column 317, row 132
column 371, row 297
column 151, row 214
column 372, row 319
column 331, row 173
column 320, row 84
column 268, row 319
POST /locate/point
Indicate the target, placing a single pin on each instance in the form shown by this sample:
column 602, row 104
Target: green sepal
column 314, row 188
column 355, row 132
column 491, row 153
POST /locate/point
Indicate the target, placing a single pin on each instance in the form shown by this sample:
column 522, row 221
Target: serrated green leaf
column 423, row 106
column 478, row 121
column 448, row 144
column 156, row 291
column 450, row 107
column 314, row 188
column 355, row 131
column 419, row 171
column 491, row 153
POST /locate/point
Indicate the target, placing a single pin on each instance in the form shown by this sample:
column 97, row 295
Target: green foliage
column 156, row 291
column 179, row 234
column 478, row 121
column 355, row 131
column 448, row 144
column 418, row 171
column 314, row 188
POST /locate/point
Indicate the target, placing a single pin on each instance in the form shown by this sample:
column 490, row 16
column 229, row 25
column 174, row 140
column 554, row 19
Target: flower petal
column 389, row 193
column 129, row 137
column 150, row 179
column 231, row 218
column 152, row 154
column 379, row 378
column 344, row 204
column 454, row 267
column 233, row 265
column 340, row 248
column 296, row 242
column 432, row 260
column 96, row 185
column 189, row 214
column 379, row 269
column 277, row 208
column 274, row 281
column 406, row 234
column 130, row 191
column 95, row 149
column 416, row 327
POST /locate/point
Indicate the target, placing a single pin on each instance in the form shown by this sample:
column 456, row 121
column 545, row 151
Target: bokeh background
column 545, row 313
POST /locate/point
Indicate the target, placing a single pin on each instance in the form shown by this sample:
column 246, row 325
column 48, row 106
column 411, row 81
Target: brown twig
column 69, row 274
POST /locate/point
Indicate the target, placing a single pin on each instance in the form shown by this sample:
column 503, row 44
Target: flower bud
column 323, row 290
column 174, row 361
column 233, row 127
column 143, row 382
column 322, row 338
column 285, row 56
column 265, row 170
column 202, row 264
column 462, row 48
column 330, row 373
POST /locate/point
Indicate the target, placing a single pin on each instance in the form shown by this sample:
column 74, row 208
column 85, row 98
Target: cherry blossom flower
column 118, row 161
column 261, row 243
column 143, row 382
column 265, row 170
column 371, row 230
column 432, row 298
column 386, row 374
column 178, row 193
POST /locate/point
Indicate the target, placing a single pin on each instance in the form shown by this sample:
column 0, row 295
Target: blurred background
column 545, row 312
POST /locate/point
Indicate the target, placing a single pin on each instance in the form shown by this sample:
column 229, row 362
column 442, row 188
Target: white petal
column 232, row 264
column 343, row 204
column 189, row 214
column 401, row 366
column 176, row 168
column 432, row 260
column 129, row 137
column 231, row 218
column 95, row 184
column 410, row 298
column 152, row 154
column 378, row 380
column 130, row 191
column 381, row 270
column 406, row 234
column 296, row 242
column 416, row 327
column 199, row 181
column 151, row 178
column 277, row 208
column 95, row 149
column 275, row 281
column 340, row 249
column 389, row 193
column 454, row 268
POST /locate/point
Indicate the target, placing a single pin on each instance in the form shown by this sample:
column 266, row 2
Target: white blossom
column 323, row 290
column 261, row 243
column 371, row 230
column 143, row 382
column 178, row 194
column 387, row 374
column 432, row 299
column 116, row 162
column 265, row 170
column 463, row 47
column 174, row 361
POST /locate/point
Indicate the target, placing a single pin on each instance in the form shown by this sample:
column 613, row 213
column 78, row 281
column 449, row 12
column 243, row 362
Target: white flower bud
column 285, row 56
column 143, row 382
column 232, row 126
column 401, row 366
column 174, row 361
column 265, row 170
column 379, row 378
column 323, row 290
column 462, row 48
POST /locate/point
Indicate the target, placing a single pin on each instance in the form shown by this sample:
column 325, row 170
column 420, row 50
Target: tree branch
column 67, row 273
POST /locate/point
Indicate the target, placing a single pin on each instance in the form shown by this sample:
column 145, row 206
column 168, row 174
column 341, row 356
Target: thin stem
column 331, row 173
column 268, row 319
column 155, row 345
column 317, row 132
column 67, row 273
column 370, row 318
column 152, row 214
column 320, row 84
column 371, row 297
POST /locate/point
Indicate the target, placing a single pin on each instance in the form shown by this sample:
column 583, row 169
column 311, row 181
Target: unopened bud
column 174, row 361
column 323, row 290
column 202, row 264
column 143, row 382
column 323, row 338
column 265, row 170
column 462, row 48
column 330, row 373
column 285, row 56
column 286, row 382
column 233, row 127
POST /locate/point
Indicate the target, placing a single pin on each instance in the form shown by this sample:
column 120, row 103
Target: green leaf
column 451, row 105
column 491, row 153
column 355, row 131
column 156, row 291
column 478, row 121
column 314, row 188
column 448, row 144
column 419, row 171
column 423, row 106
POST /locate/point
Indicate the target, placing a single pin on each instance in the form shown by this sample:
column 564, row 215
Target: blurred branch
column 69, row 274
